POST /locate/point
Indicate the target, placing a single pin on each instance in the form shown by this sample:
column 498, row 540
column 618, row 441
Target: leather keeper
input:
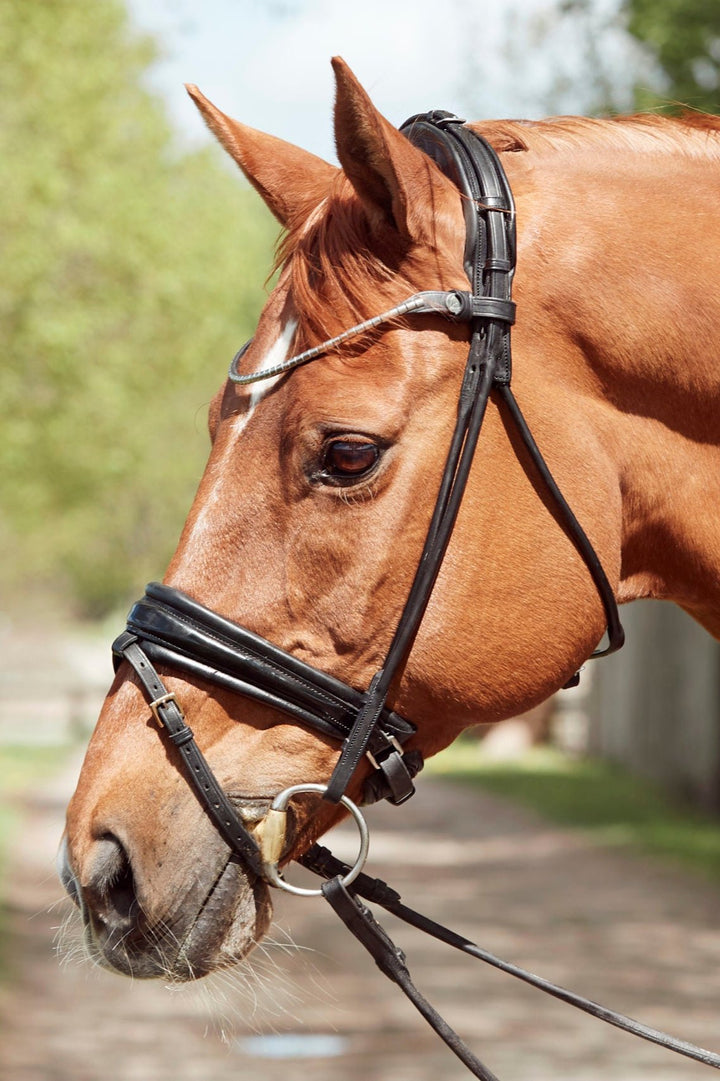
column 182, row 736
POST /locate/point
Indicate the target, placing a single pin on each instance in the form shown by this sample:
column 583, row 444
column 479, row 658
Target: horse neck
column 633, row 244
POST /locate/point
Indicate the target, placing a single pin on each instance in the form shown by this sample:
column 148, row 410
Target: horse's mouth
column 232, row 917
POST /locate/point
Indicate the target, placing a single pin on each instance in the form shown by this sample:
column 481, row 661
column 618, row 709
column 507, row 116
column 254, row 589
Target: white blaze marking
column 276, row 354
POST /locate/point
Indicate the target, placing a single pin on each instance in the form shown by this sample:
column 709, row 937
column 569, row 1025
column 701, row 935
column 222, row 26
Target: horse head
column 307, row 529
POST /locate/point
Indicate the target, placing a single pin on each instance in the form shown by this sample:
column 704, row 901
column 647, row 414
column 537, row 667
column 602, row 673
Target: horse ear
column 290, row 180
column 394, row 179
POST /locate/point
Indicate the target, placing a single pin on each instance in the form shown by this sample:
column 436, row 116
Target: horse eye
column 347, row 460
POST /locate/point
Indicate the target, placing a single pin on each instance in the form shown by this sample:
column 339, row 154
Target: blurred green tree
column 635, row 54
column 683, row 36
column 130, row 272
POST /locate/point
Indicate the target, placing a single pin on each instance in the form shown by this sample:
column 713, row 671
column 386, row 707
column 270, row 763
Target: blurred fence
column 52, row 683
column 655, row 705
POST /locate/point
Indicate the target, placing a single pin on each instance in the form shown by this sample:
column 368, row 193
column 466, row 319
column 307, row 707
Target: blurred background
column 134, row 263
column 134, row 256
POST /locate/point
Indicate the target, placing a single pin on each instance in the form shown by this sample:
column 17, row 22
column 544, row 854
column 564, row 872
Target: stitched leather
column 173, row 625
column 178, row 632
column 391, row 962
column 322, row 862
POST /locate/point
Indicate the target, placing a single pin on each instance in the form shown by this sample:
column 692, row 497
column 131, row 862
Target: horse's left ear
column 290, row 180
column 395, row 180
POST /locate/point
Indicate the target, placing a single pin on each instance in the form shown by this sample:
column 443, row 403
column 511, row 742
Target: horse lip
column 226, row 924
column 252, row 809
column 254, row 815
column 252, row 812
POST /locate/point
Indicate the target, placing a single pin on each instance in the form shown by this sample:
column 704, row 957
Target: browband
column 454, row 304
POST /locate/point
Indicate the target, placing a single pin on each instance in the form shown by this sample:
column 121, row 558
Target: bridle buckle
column 164, row 700
column 392, row 742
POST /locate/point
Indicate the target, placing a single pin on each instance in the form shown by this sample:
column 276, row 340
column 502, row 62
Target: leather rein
column 169, row 628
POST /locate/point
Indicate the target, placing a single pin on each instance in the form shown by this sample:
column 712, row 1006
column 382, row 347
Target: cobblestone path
column 628, row 931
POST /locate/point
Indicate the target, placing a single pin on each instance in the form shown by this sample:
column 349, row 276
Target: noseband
column 169, row 628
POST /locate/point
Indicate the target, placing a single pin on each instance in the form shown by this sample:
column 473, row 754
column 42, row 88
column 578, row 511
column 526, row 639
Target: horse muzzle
column 133, row 927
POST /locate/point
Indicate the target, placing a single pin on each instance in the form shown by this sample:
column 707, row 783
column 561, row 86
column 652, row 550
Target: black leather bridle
column 169, row 628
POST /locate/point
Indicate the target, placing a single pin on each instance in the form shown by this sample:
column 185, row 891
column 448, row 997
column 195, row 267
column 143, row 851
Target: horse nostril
column 110, row 889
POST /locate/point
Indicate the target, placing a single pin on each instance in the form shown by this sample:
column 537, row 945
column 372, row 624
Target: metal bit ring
column 270, row 859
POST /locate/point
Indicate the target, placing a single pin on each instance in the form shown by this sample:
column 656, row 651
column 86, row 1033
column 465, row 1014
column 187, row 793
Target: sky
column 267, row 62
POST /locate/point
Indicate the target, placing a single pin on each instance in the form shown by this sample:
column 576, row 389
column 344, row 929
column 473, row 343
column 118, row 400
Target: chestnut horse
column 312, row 513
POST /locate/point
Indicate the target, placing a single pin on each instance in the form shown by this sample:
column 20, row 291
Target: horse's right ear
column 290, row 180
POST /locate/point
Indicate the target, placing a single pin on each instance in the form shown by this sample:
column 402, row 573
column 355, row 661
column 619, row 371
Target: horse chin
column 232, row 921
column 234, row 917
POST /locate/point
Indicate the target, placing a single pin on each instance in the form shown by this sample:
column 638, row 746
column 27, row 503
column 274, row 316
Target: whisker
column 260, row 994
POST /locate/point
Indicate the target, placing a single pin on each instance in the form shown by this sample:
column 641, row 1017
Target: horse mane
column 693, row 134
column 333, row 253
column 331, row 256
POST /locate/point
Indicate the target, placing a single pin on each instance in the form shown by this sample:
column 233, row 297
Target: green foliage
column 130, row 273
column 684, row 38
column 612, row 806
column 632, row 55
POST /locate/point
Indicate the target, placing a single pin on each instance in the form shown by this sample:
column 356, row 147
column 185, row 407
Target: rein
column 169, row 628
column 391, row 960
